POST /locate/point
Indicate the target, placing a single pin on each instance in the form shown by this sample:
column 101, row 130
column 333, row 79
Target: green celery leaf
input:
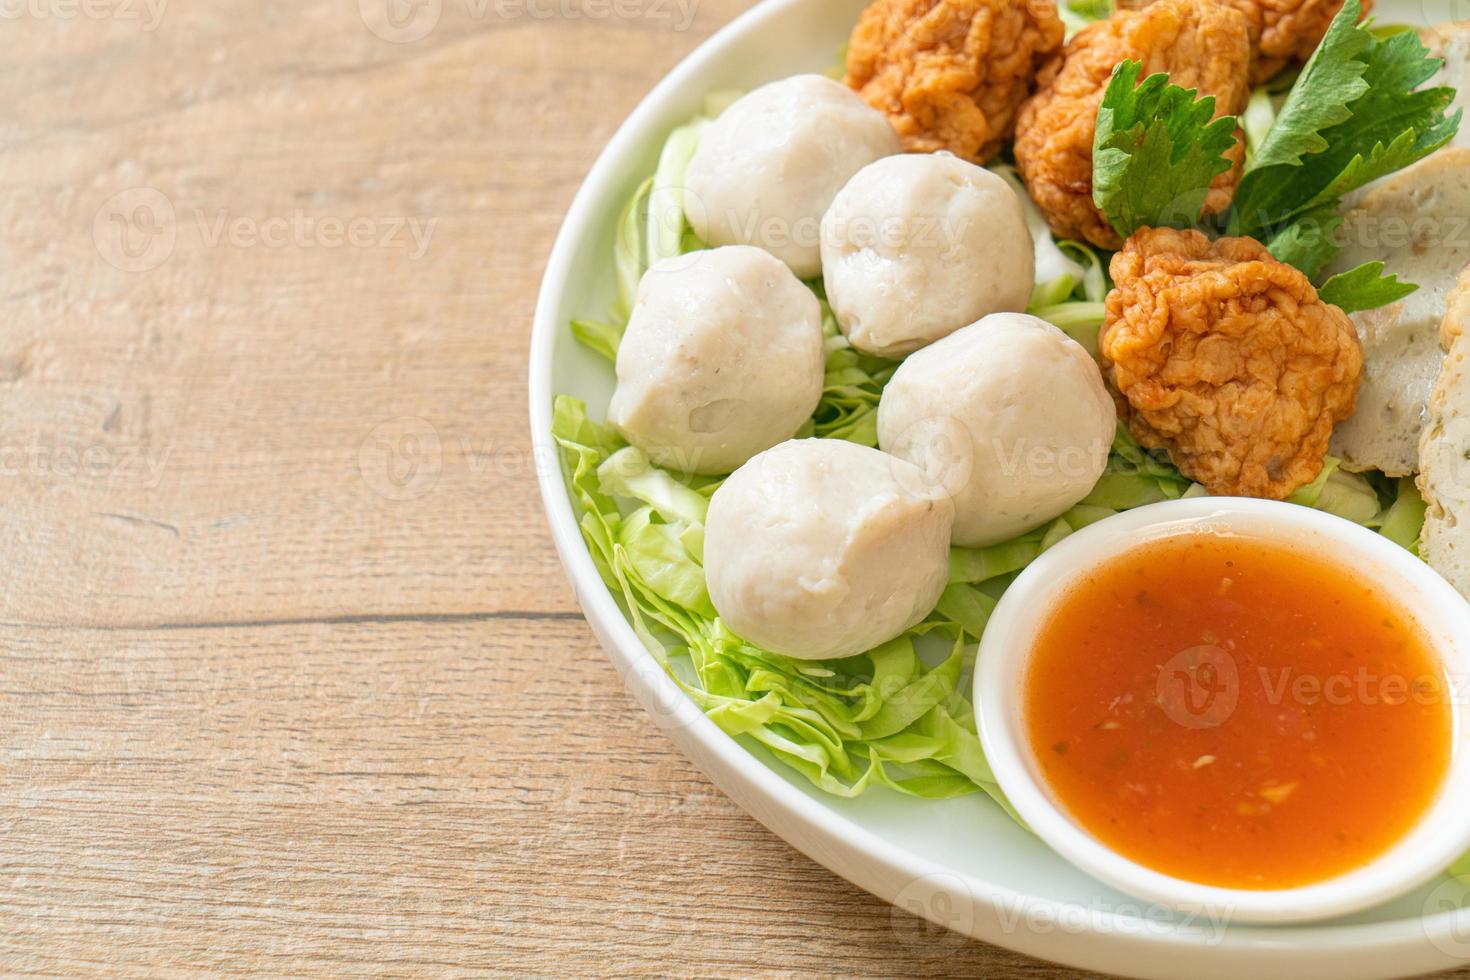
column 1332, row 78
column 1364, row 288
column 1355, row 114
column 1308, row 242
column 1156, row 151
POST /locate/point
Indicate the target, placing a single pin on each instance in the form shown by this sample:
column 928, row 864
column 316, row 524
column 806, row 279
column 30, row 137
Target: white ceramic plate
column 959, row 863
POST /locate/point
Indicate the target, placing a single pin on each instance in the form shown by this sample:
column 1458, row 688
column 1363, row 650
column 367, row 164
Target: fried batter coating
column 950, row 74
column 1201, row 44
column 1282, row 31
column 1226, row 358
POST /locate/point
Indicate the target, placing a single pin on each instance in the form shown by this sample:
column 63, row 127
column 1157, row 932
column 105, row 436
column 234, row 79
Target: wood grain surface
column 290, row 678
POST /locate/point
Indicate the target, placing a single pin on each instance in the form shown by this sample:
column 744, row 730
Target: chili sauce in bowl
column 1242, row 703
column 1236, row 712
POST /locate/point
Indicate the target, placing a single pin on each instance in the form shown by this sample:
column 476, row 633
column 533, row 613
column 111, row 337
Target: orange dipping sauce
column 1229, row 712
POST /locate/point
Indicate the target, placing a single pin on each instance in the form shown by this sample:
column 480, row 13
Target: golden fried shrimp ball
column 1282, row 31
column 1201, row 44
column 1226, row 358
column 950, row 74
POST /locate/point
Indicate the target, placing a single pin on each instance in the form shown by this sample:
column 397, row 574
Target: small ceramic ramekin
column 1434, row 842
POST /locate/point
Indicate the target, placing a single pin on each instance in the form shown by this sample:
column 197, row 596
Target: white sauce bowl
column 1437, row 839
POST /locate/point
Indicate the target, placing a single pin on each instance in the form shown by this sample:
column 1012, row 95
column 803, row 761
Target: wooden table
column 290, row 678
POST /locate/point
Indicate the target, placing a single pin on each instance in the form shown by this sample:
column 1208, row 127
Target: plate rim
column 1400, row 946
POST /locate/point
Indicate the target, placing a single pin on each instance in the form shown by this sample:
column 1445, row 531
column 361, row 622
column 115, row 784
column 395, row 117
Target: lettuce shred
column 896, row 716
column 1071, row 299
column 884, row 718
column 1077, row 14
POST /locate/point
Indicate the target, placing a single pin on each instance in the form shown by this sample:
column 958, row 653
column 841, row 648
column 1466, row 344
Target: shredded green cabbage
column 666, row 222
column 1403, row 522
column 1073, row 300
column 1077, row 14
column 1461, row 869
column 1258, row 118
column 896, row 716
column 851, row 387
column 884, row 718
